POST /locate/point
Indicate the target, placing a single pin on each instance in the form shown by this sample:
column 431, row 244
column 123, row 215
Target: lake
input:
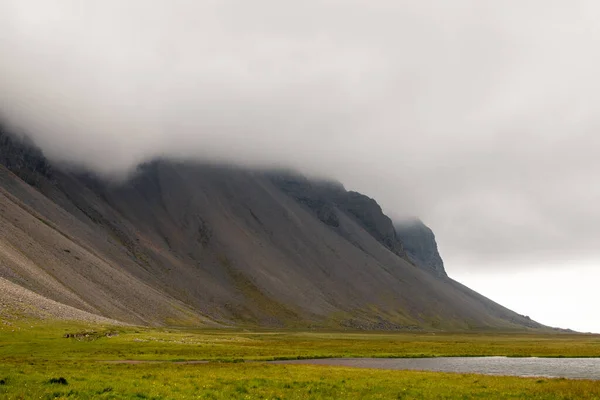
column 573, row 368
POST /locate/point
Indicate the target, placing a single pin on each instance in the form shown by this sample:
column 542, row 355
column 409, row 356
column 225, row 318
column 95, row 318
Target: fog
column 480, row 117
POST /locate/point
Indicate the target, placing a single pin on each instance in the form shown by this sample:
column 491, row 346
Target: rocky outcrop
column 371, row 217
column 420, row 246
column 316, row 195
column 22, row 158
column 327, row 199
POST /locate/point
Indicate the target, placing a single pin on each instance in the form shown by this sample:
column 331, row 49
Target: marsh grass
column 33, row 355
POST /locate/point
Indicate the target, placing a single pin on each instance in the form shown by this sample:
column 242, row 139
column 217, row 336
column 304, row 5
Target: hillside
column 197, row 244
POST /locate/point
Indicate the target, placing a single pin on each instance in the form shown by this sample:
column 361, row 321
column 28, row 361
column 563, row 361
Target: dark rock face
column 315, row 195
column 371, row 217
column 421, row 246
column 327, row 199
column 22, row 158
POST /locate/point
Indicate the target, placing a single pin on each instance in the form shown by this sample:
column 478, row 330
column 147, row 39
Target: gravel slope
column 17, row 303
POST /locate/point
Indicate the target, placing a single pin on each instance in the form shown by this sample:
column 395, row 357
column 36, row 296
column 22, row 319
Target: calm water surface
column 574, row 368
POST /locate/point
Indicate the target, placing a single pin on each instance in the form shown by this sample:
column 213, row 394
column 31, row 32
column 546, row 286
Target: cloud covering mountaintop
column 481, row 117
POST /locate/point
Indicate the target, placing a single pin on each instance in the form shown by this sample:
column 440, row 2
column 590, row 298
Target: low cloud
column 481, row 117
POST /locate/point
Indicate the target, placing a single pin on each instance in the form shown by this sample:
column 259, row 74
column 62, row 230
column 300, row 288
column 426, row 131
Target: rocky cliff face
column 21, row 157
column 327, row 199
column 421, row 246
column 193, row 244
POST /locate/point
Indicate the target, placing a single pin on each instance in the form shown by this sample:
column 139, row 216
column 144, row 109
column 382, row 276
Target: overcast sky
column 481, row 117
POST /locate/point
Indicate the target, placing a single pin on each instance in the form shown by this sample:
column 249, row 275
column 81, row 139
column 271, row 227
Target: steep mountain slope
column 420, row 245
column 193, row 244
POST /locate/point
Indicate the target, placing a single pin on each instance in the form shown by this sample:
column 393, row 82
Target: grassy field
column 38, row 361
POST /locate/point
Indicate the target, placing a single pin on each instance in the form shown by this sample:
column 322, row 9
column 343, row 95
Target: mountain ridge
column 182, row 243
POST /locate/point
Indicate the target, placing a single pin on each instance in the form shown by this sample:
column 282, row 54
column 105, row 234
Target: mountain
column 183, row 243
column 420, row 245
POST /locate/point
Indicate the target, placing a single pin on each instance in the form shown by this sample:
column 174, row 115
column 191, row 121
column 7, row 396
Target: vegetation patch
column 58, row 381
column 262, row 381
column 36, row 360
column 89, row 336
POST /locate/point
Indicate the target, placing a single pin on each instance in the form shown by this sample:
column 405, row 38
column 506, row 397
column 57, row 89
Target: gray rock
column 327, row 199
column 23, row 158
column 420, row 246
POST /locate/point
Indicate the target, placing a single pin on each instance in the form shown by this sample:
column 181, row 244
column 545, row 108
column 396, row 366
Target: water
column 573, row 368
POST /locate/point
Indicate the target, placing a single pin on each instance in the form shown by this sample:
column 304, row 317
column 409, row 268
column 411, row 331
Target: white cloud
column 478, row 116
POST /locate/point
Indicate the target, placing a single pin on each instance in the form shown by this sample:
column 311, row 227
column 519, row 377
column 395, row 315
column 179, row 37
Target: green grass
column 32, row 355
column 45, row 342
column 256, row 381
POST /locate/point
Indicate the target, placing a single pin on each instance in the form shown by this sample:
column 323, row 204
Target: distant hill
column 183, row 243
